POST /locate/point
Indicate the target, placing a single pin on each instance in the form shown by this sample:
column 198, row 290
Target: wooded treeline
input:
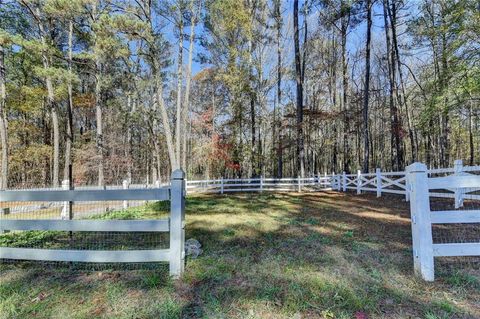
column 135, row 88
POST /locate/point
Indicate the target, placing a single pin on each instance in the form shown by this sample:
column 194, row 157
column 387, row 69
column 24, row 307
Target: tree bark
column 395, row 127
column 166, row 124
column 366, row 151
column 278, row 113
column 51, row 103
column 470, row 134
column 99, row 119
column 188, row 77
column 345, row 20
column 69, row 137
column 333, row 96
column 3, row 121
column 402, row 98
column 158, row 97
column 178, row 129
column 299, row 83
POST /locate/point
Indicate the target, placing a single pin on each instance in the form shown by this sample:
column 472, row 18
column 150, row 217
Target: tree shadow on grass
column 270, row 256
column 311, row 265
column 34, row 292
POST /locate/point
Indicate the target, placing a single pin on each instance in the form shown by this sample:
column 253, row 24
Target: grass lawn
column 311, row 255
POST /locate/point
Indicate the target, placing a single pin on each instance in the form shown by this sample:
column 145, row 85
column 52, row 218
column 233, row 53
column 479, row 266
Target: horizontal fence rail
column 85, row 195
column 161, row 225
column 89, row 256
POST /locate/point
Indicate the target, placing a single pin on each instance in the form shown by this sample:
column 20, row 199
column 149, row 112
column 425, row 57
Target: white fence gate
column 175, row 225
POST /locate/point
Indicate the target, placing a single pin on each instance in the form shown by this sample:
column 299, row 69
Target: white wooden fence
column 395, row 183
column 175, row 225
column 422, row 218
column 261, row 184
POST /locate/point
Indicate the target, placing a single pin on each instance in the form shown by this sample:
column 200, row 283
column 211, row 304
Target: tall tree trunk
column 392, row 14
column 178, row 129
column 470, row 134
column 99, row 119
column 402, row 97
column 99, row 142
column 333, row 96
column 298, row 77
column 51, row 103
column 444, row 115
column 253, row 134
column 395, row 127
column 3, row 122
column 188, row 77
column 252, row 96
column 166, row 124
column 129, row 140
column 366, row 151
column 69, row 137
column 278, row 113
column 158, row 96
column 346, row 124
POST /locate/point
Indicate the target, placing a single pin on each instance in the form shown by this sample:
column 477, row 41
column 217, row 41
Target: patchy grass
column 320, row 255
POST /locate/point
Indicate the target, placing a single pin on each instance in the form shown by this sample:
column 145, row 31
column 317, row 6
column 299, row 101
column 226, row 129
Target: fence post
column 407, row 193
column 125, row 186
column 65, row 209
column 378, row 176
column 359, row 182
column 177, row 223
column 221, row 187
column 458, row 168
column 421, row 221
column 261, row 184
column 4, row 212
column 344, row 182
column 299, row 187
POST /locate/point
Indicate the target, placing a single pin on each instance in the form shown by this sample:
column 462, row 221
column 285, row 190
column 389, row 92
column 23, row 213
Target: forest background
column 131, row 89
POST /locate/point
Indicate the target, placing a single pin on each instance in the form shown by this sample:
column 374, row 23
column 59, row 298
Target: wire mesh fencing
column 456, row 200
column 84, row 240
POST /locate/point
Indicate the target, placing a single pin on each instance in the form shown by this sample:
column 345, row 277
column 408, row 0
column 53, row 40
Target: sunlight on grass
column 265, row 256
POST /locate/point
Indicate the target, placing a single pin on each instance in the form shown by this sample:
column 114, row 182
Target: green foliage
column 146, row 211
column 462, row 280
column 28, row 239
column 230, row 17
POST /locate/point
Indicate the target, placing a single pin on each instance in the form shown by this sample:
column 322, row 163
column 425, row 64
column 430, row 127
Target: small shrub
column 348, row 234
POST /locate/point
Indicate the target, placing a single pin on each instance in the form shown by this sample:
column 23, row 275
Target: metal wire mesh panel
column 84, row 240
column 456, row 200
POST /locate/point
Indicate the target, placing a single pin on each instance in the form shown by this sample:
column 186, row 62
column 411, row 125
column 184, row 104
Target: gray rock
column 192, row 248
